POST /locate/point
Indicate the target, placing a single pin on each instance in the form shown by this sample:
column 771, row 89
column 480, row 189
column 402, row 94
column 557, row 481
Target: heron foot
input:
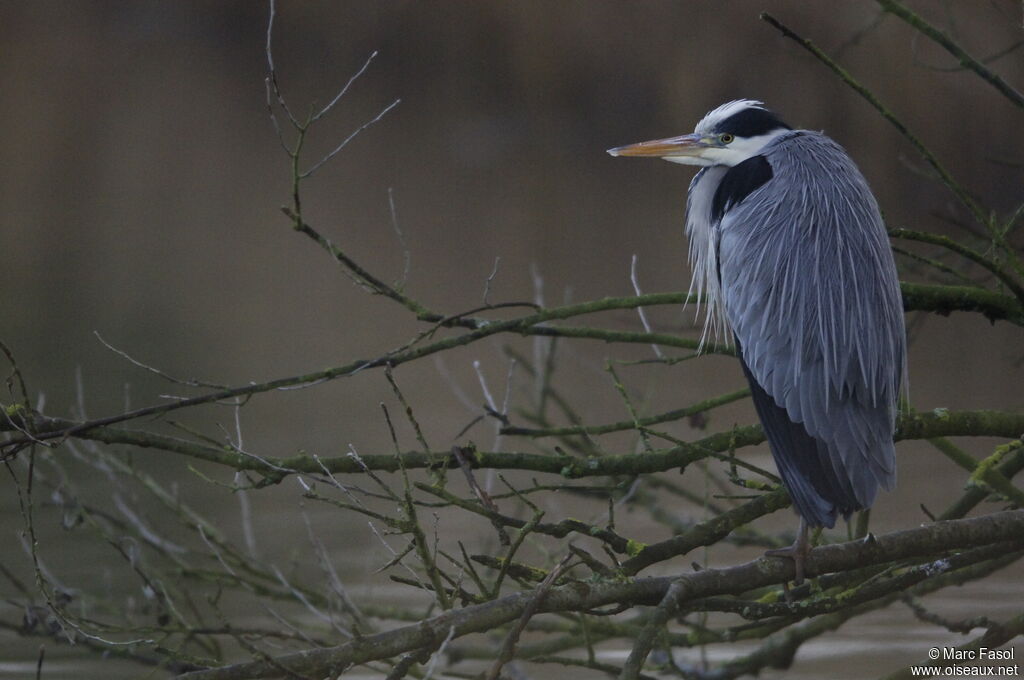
column 796, row 552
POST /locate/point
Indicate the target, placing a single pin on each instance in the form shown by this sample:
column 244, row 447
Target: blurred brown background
column 141, row 181
column 141, row 176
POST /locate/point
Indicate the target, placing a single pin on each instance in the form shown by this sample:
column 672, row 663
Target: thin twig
column 344, row 142
column 273, row 72
column 947, row 179
column 341, row 93
column 490, row 280
column 406, row 255
column 919, row 24
column 508, row 647
column 640, row 310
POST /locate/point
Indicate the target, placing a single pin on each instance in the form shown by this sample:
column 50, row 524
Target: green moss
column 634, row 548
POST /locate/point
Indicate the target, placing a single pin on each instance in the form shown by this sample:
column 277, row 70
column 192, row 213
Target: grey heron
column 790, row 255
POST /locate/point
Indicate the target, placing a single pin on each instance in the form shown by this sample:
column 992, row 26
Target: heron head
column 728, row 135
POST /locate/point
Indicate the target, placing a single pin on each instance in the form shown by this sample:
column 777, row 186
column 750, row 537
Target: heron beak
column 686, row 145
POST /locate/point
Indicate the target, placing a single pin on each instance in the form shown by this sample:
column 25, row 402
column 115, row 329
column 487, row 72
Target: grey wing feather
column 810, row 290
column 802, row 460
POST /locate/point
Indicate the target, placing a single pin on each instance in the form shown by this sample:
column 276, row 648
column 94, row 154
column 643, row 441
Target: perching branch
column 463, row 585
column 999, row 528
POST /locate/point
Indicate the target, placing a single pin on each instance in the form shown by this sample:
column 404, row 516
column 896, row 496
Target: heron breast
column 738, row 183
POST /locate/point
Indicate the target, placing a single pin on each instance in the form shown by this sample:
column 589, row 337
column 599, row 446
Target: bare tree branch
column 1005, row 527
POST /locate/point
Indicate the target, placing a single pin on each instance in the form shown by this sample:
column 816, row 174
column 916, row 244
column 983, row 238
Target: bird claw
column 796, row 552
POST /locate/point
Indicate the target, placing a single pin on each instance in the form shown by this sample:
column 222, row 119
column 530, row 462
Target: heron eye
column 726, row 138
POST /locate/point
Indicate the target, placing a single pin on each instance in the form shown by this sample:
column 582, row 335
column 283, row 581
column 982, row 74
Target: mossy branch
column 917, row 425
column 999, row 528
column 962, row 194
column 668, row 416
column 934, row 298
column 966, row 60
column 968, row 253
column 708, row 532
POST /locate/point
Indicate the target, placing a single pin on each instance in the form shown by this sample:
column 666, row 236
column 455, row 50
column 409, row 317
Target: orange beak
column 686, row 145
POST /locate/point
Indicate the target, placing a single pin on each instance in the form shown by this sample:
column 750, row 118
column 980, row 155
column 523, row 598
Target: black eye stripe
column 751, row 123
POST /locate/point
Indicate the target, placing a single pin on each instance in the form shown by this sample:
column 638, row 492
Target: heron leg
column 796, row 552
